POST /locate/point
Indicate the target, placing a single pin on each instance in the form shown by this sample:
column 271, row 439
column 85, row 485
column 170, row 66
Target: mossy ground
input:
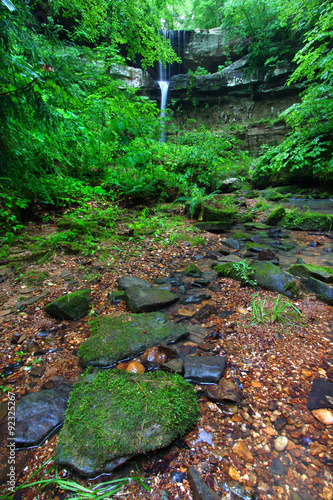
column 112, row 413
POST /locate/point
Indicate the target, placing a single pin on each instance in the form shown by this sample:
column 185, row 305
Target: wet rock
column 205, row 312
column 270, row 277
column 116, row 296
column 114, row 339
column 268, row 254
column 72, row 306
column 199, row 489
column 154, row 355
column 323, row 291
column 280, row 423
column 39, row 413
column 114, row 415
column 231, row 243
column 174, row 366
column 317, row 397
column 215, row 227
column 280, row 443
column 126, row 281
column 321, row 273
column 277, row 468
column 229, row 390
column 196, row 299
column 142, row 299
column 242, row 451
column 178, row 477
column 37, row 370
column 212, row 392
column 324, row 415
column 204, row 369
column 193, row 270
column 135, row 367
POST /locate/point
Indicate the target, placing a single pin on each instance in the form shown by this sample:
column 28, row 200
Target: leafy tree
column 307, row 151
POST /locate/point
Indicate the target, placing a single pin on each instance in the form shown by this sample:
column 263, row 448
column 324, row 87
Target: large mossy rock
column 113, row 415
column 212, row 214
column 142, row 299
column 72, row 306
column 215, row 227
column 321, row 273
column 307, row 221
column 114, row 339
column 271, row 277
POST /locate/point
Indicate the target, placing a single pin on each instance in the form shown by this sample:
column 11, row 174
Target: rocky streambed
column 261, row 388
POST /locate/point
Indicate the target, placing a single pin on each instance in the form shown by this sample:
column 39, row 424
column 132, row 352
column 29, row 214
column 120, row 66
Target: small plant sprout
column 283, row 312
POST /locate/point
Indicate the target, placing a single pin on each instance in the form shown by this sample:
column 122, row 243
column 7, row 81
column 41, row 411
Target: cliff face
column 237, row 95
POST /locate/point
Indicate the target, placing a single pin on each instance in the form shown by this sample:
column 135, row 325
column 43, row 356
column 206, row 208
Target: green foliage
column 101, row 491
column 307, row 151
column 283, row 312
column 244, row 273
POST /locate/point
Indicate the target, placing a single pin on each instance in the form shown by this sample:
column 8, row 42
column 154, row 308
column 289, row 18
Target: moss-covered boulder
column 276, row 216
column 212, row 214
column 72, row 306
column 113, row 415
column 270, row 277
column 321, row 273
column 215, row 227
column 142, row 299
column 307, row 221
column 115, row 339
column 323, row 291
column 193, row 270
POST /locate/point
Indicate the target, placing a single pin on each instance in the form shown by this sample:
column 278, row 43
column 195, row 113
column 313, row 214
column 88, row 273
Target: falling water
column 166, row 71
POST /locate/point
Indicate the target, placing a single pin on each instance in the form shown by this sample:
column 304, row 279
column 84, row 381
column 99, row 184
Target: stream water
column 322, row 206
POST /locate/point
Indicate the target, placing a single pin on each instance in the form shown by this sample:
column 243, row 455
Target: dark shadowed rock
column 323, row 291
column 114, row 415
column 271, row 277
column 199, row 489
column 204, row 369
column 142, row 299
column 277, row 468
column 71, row 307
column 39, row 413
column 321, row 388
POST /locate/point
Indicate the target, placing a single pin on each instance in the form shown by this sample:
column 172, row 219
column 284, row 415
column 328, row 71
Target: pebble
column 135, row 367
column 324, row 415
column 277, row 468
column 280, row 443
column 242, row 451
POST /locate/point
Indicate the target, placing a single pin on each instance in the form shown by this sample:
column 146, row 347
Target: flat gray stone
column 39, row 413
column 204, row 369
column 142, row 299
column 126, row 281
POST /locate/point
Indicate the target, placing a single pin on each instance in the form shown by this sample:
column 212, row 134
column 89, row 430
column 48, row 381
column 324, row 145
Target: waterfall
column 177, row 41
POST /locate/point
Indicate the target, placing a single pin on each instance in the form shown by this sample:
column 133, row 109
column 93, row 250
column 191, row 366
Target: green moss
column 245, row 217
column 193, row 270
column 113, row 413
column 72, row 306
column 212, row 214
column 36, row 277
column 294, row 289
column 242, row 236
column 276, row 215
column 224, row 270
column 114, row 339
column 307, row 221
column 250, row 245
column 273, row 195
